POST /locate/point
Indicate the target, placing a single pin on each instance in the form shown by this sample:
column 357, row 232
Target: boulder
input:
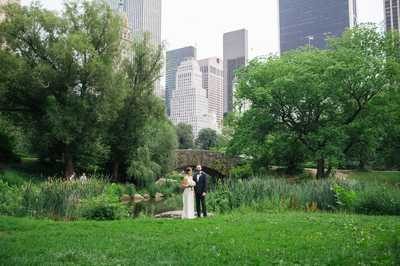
column 126, row 198
column 174, row 215
column 146, row 197
column 161, row 182
column 138, row 198
column 159, row 196
column 164, row 181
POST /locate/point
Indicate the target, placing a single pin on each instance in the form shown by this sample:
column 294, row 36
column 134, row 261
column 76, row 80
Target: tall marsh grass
column 264, row 194
column 273, row 193
column 58, row 199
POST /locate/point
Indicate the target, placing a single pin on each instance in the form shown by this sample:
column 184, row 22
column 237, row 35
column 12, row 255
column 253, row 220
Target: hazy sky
column 202, row 23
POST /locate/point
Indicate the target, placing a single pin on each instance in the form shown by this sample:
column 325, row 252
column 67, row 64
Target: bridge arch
column 214, row 163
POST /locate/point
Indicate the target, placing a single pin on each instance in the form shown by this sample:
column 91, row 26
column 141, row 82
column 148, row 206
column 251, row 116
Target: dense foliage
column 207, row 139
column 269, row 194
column 322, row 105
column 82, row 93
column 185, row 136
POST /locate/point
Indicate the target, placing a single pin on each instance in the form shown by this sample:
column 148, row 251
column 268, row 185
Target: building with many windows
column 213, row 83
column 392, row 12
column 144, row 17
column 189, row 103
column 235, row 57
column 174, row 59
column 309, row 22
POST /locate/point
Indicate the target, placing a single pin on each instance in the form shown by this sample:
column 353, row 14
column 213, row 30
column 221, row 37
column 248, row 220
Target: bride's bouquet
column 184, row 183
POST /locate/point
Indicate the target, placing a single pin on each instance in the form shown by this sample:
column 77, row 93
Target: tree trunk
column 115, row 170
column 321, row 168
column 68, row 163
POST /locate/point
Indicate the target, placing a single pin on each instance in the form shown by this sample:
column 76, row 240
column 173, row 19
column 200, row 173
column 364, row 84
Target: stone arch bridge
column 214, row 163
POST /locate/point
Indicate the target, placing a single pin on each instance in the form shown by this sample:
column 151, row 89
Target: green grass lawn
column 239, row 239
column 389, row 177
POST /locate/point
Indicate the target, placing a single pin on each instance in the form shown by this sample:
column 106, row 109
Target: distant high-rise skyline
column 309, row 22
column 189, row 103
column 174, row 59
column 144, row 17
column 392, row 13
column 235, row 57
column 213, row 83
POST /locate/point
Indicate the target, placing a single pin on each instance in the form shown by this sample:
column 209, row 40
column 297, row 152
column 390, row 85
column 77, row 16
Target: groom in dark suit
column 200, row 191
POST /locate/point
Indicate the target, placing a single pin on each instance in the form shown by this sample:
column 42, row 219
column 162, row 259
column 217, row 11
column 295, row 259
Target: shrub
column 103, row 208
column 13, row 178
column 152, row 189
column 115, row 190
column 174, row 176
column 241, row 172
column 10, row 199
column 173, row 203
column 169, row 189
column 345, row 196
column 130, row 189
column 377, row 199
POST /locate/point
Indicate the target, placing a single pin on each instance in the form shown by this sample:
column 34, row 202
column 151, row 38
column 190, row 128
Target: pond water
column 152, row 207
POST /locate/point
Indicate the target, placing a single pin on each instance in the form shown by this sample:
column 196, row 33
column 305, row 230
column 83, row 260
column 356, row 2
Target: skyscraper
column 117, row 5
column 144, row 17
column 235, row 57
column 392, row 13
column 309, row 22
column 213, row 83
column 174, row 59
column 189, row 103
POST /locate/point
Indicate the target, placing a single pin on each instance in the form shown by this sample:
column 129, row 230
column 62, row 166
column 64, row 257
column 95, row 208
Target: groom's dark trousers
column 199, row 189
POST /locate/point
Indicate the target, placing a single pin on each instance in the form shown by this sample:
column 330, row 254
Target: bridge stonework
column 215, row 162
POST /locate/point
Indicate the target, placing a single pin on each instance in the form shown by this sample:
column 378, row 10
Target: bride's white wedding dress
column 188, row 199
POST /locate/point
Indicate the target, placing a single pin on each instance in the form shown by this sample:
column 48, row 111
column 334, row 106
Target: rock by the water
column 164, row 181
column 146, row 196
column 159, row 196
column 174, row 215
column 170, row 215
column 126, row 198
column 138, row 198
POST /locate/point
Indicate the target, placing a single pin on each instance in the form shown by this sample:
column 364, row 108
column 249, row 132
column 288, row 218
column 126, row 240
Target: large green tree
column 185, row 136
column 314, row 96
column 141, row 121
column 207, row 139
column 57, row 76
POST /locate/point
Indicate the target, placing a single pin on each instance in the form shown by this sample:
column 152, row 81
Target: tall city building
column 144, row 17
column 213, row 83
column 174, row 59
column 116, row 4
column 126, row 37
column 235, row 57
column 189, row 103
column 309, row 22
column 392, row 13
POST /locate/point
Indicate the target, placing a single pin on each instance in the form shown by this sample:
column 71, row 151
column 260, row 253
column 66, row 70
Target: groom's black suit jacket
column 201, row 184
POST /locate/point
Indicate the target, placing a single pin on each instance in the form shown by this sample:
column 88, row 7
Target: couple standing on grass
column 195, row 188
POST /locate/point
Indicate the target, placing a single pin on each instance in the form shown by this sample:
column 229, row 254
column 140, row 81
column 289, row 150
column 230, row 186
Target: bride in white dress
column 188, row 195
